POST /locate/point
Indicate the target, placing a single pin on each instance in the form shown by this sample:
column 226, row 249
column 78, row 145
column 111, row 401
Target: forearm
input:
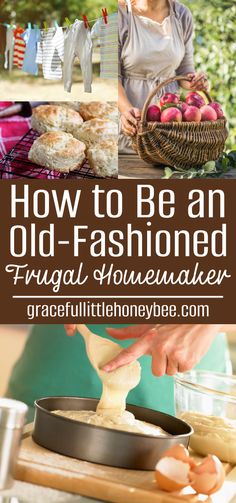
column 123, row 102
column 228, row 328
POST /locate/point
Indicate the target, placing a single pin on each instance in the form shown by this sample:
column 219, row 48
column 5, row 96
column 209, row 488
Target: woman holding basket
column 155, row 43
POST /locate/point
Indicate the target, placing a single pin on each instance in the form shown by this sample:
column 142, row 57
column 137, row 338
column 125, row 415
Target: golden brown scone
column 99, row 110
column 96, row 130
column 55, row 118
column 103, row 158
column 58, row 150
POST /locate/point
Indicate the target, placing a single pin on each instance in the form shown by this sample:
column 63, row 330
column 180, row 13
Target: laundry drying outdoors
column 57, row 53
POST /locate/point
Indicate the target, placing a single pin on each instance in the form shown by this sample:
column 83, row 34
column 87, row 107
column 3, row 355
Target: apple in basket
column 218, row 109
column 192, row 114
column 169, row 98
column 153, row 113
column 208, row 113
column 195, row 99
column 171, row 114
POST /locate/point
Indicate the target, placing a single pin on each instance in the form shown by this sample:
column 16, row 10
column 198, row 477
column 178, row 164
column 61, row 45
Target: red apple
column 194, row 99
column 169, row 98
column 208, row 113
column 192, row 114
column 171, row 115
column 218, row 109
column 153, row 113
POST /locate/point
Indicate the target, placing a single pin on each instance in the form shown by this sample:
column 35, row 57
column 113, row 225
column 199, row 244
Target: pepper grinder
column 12, row 420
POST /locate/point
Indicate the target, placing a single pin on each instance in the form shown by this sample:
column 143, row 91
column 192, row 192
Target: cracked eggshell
column 180, row 452
column 208, row 476
column 173, row 469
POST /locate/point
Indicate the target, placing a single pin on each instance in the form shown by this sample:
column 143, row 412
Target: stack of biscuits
column 71, row 132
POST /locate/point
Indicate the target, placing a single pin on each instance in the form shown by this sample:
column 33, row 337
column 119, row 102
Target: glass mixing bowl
column 207, row 401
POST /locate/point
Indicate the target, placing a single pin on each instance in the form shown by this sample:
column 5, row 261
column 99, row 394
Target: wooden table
column 37, row 465
column 130, row 166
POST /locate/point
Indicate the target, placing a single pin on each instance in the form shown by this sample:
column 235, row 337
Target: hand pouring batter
column 111, row 411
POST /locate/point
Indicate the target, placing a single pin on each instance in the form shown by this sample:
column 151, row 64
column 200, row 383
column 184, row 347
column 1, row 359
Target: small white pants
column 78, row 43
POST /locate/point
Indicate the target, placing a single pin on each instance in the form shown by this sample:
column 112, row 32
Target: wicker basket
column 179, row 144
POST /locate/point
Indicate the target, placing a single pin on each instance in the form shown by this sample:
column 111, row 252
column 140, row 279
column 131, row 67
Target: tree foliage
column 215, row 48
column 39, row 11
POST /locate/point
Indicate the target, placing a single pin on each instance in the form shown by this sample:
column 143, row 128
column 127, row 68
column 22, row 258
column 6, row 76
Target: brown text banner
column 118, row 251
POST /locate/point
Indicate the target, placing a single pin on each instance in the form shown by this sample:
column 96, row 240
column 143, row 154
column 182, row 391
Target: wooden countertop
column 130, row 166
column 37, row 465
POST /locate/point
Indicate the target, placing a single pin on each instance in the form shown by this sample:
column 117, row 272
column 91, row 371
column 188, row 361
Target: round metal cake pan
column 102, row 445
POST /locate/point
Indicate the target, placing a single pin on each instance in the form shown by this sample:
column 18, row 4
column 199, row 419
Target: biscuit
column 47, row 118
column 96, row 130
column 99, row 110
column 57, row 150
column 103, row 159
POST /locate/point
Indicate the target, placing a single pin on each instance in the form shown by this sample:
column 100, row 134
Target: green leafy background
column 215, row 52
column 38, row 11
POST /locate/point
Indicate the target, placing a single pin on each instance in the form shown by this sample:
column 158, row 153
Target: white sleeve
column 84, row 51
column 58, row 42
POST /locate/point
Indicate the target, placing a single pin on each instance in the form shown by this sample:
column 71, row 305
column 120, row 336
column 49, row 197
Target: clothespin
column 105, row 15
column 56, row 24
column 86, row 23
column 6, row 25
column 29, row 26
column 67, row 22
column 45, row 25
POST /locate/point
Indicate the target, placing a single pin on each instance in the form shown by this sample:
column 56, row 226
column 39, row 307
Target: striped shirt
column 50, row 53
column 109, row 48
column 19, row 48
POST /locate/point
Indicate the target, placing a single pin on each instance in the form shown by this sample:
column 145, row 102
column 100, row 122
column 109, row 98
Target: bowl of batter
column 207, row 401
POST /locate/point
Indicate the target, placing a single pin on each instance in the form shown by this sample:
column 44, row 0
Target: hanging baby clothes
column 19, row 48
column 78, row 43
column 109, row 47
column 50, row 53
column 10, row 41
column 31, row 38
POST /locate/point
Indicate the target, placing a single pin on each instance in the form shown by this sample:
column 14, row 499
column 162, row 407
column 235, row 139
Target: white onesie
column 78, row 43
column 10, row 41
column 50, row 53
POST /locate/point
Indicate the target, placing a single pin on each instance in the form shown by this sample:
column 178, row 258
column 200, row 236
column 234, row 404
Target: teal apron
column 54, row 364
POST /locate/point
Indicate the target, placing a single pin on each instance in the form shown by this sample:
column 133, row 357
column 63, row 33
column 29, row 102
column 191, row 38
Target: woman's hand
column 129, row 120
column 174, row 348
column 199, row 82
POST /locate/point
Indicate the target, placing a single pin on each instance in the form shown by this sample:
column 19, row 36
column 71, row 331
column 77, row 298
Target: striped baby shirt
column 109, row 47
column 50, row 53
column 19, row 48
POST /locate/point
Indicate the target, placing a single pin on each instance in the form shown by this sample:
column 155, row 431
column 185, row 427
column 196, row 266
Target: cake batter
column 111, row 411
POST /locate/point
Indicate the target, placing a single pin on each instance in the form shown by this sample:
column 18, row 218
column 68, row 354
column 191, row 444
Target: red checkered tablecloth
column 11, row 129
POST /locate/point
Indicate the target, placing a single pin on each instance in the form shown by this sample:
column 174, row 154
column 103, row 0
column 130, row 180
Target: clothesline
column 54, row 48
column 45, row 29
column 67, row 26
